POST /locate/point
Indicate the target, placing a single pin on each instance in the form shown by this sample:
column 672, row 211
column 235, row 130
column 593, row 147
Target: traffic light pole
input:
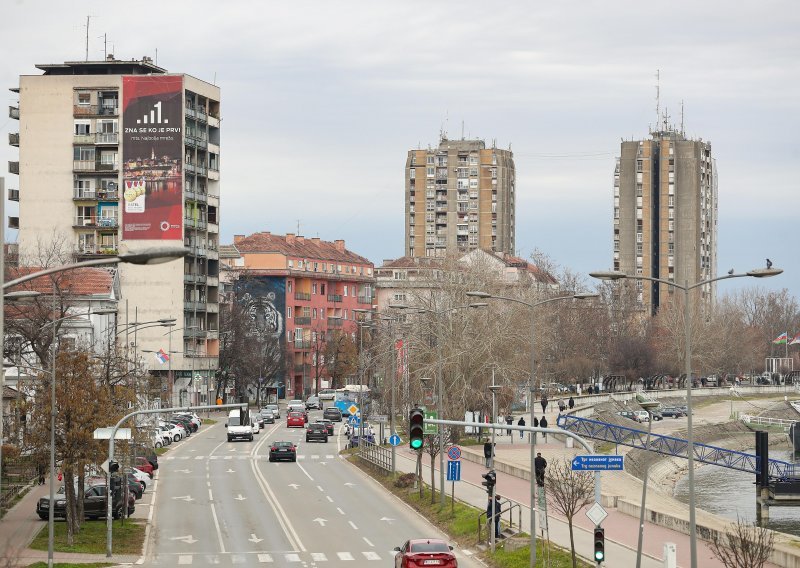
column 109, row 497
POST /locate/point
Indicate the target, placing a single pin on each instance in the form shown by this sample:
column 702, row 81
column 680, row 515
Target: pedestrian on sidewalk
column 509, row 421
column 40, row 469
column 571, row 403
column 496, row 503
column 543, row 402
column 538, row 465
column 499, row 421
column 521, row 422
column 488, row 453
column 543, row 424
column 561, row 406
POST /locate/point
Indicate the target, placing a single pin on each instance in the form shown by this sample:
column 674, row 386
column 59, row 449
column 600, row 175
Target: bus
column 345, row 397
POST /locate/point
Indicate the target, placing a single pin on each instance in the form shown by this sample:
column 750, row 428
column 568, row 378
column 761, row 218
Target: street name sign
column 453, row 470
column 597, row 463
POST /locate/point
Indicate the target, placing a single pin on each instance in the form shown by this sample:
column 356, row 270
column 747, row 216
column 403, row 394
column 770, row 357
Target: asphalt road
column 224, row 503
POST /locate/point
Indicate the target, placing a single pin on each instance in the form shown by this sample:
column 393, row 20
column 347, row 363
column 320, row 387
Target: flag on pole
column 781, row 339
column 162, row 357
column 795, row 340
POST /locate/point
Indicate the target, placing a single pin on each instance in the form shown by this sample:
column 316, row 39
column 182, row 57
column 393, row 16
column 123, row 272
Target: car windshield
column 234, row 420
column 316, row 426
column 283, row 444
column 296, row 414
column 429, row 547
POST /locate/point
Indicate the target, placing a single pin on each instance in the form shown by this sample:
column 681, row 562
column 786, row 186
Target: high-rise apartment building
column 665, row 214
column 120, row 155
column 459, row 197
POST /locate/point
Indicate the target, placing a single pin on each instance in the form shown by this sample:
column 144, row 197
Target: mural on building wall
column 264, row 300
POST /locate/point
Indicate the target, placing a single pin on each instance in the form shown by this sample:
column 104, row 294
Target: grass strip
column 91, row 539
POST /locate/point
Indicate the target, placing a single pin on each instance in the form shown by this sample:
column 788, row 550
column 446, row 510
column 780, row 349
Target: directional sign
column 453, row 470
column 430, row 428
column 597, row 463
column 105, row 433
column 353, row 409
column 395, row 440
column 454, row 453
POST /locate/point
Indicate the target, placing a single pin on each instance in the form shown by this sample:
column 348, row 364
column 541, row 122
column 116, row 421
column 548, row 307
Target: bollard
column 670, row 555
column 570, row 443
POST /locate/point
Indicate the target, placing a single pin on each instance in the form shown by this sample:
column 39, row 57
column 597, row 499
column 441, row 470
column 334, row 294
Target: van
column 239, row 425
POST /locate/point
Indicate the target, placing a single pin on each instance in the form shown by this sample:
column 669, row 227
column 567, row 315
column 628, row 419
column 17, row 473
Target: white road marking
column 185, row 559
column 318, row 557
column 328, row 457
column 466, row 552
column 216, row 525
column 238, row 559
column 344, row 556
column 368, row 542
column 292, row 558
column 228, row 457
column 320, row 488
column 210, row 496
column 370, row 555
column 212, row 559
column 329, row 498
column 340, row 511
column 352, row 524
column 263, row 558
column 304, row 471
column 199, row 457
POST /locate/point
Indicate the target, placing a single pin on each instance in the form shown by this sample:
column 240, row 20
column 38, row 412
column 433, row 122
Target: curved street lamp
column 686, row 288
column 532, row 306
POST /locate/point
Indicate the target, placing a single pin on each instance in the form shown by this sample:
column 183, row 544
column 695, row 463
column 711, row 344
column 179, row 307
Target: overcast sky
column 321, row 101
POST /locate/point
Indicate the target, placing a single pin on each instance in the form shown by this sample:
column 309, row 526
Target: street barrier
column 375, row 454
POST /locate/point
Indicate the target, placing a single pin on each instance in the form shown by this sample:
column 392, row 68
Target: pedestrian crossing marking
column 238, row 559
column 263, row 558
column 185, row 559
column 345, row 556
column 292, row 558
column 318, row 557
column 212, row 559
column 369, row 555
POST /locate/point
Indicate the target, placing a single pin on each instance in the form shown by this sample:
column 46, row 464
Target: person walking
column 561, row 406
column 543, row 424
column 538, row 465
column 499, row 421
column 535, row 425
column 521, row 422
column 40, row 472
column 509, row 421
column 488, row 453
column 496, row 503
column 571, row 403
column 543, row 402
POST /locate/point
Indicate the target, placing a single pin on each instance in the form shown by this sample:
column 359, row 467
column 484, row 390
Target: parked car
column 141, row 463
column 313, row 402
column 328, row 425
column 317, row 432
column 139, row 475
column 192, row 417
column 425, row 552
column 672, row 412
column 177, row 432
column 134, row 486
column 635, row 415
column 94, row 503
column 283, row 451
column 332, row 413
column 295, row 419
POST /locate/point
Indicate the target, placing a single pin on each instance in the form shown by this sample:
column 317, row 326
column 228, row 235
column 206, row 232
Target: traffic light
column 113, row 467
column 490, row 479
column 416, row 430
column 116, row 486
column 599, row 544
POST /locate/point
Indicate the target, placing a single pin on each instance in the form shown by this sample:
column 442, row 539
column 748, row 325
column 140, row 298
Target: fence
column 18, row 474
column 766, row 421
column 506, row 507
column 375, row 454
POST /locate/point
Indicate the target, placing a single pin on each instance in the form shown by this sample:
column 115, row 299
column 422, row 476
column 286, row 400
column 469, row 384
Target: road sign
column 454, row 452
column 596, row 514
column 453, row 470
column 105, row 433
column 597, row 463
column 379, row 418
column 431, row 428
column 395, row 440
column 353, row 409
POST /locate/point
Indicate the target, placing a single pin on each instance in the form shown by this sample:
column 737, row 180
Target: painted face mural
column 265, row 318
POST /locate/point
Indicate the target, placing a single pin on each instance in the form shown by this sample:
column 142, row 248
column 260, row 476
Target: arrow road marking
column 187, row 498
column 387, row 519
column 293, row 485
column 254, row 539
column 240, row 498
column 187, row 539
column 348, row 484
column 231, row 470
column 320, row 521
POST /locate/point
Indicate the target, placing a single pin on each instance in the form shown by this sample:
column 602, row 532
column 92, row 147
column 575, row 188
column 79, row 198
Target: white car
column 295, row 404
column 276, row 410
column 327, row 394
column 175, row 432
column 159, row 438
column 140, row 476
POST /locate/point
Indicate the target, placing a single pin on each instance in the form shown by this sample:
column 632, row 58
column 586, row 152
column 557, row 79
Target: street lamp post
column 647, row 405
column 531, row 383
column 439, row 383
column 686, row 288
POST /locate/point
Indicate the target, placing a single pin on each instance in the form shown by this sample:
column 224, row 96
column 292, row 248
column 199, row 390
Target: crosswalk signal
column 416, row 429
column 489, row 481
column 599, row 544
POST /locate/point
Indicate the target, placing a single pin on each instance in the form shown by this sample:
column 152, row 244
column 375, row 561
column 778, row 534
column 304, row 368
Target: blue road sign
column 394, row 440
column 453, row 470
column 597, row 463
column 454, row 453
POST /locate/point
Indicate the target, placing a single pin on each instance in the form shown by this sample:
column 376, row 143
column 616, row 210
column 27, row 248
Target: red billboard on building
column 152, row 157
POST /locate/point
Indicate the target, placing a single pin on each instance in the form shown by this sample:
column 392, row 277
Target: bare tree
column 341, row 357
column 431, row 447
column 569, row 491
column 743, row 545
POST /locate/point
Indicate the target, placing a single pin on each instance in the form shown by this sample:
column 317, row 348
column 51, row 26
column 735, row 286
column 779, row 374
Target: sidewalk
column 621, row 491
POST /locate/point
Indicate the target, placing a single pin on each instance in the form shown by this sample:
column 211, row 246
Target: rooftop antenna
column 156, row 62
column 462, row 129
column 658, row 96
column 87, row 37
column 298, row 226
column 683, row 132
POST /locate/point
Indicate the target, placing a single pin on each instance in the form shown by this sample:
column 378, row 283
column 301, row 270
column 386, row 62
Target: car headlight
column 61, row 502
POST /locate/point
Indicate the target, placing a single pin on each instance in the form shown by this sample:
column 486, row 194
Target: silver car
column 276, row 410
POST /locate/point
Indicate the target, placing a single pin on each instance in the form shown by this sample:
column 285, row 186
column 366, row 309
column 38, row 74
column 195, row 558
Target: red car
column 142, row 464
column 295, row 419
column 419, row 552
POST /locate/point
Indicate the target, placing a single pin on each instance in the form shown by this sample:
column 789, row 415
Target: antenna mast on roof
column 87, row 37
column 298, row 226
column 683, row 133
column 658, row 97
column 462, row 129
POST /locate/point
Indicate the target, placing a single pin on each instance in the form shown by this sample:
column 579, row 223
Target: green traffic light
column 599, row 556
column 416, row 444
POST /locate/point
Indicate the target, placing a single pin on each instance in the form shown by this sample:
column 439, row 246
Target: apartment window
column 316, row 266
column 314, row 288
column 494, row 173
column 638, row 189
column 429, row 160
column 84, row 99
column 494, row 159
column 671, row 201
column 344, row 313
column 639, row 165
column 429, row 172
column 289, row 285
column 399, row 297
column 82, row 127
column 473, row 172
column 288, row 312
column 345, row 295
column 639, row 237
column 83, row 153
column 412, row 173
column 399, row 275
column 473, row 184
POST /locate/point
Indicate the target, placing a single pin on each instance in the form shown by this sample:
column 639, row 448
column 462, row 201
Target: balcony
column 212, row 307
column 365, row 300
column 302, row 296
column 194, row 278
column 334, row 297
column 106, row 138
column 195, row 195
column 197, row 251
column 13, row 167
column 195, row 333
column 94, row 221
column 96, row 250
column 13, row 139
column 302, row 320
column 84, row 194
column 96, row 110
column 212, row 280
column 13, row 195
column 196, row 141
column 94, row 166
column 13, row 112
column 334, row 322
column 83, row 139
column 301, row 344
column 194, row 306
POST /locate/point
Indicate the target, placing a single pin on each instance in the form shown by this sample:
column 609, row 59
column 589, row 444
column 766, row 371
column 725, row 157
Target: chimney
column 315, row 240
column 237, row 238
column 301, row 239
column 110, row 57
column 339, row 244
column 290, row 238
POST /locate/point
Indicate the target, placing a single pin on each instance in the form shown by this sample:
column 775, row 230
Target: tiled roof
column 296, row 246
column 77, row 282
column 229, row 251
column 413, row 262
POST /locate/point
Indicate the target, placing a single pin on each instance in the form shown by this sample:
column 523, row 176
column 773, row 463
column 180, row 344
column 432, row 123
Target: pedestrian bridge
column 671, row 446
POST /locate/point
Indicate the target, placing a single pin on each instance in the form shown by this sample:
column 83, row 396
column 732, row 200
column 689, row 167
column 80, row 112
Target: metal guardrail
column 375, row 454
column 483, row 520
column 766, row 421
